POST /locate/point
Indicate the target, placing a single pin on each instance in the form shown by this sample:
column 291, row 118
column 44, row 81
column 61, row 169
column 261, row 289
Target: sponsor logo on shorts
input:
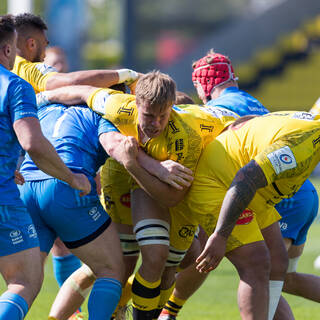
column 245, row 217
column 32, row 231
column 16, row 236
column 94, row 213
column 125, row 200
column 108, row 202
column 282, row 159
column 187, row 231
column 283, row 226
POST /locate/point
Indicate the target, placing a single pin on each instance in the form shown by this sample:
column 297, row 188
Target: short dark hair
column 26, row 21
column 7, row 28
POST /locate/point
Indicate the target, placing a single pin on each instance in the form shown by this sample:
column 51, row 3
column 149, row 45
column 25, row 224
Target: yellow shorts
column 116, row 184
column 206, row 195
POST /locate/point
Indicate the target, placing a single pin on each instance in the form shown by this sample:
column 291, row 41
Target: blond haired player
column 163, row 132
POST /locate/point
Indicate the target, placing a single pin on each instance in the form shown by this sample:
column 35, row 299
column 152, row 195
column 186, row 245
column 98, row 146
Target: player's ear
column 30, row 43
column 7, row 49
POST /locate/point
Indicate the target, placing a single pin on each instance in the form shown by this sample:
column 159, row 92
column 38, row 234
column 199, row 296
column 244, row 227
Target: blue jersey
column 239, row 102
column 17, row 101
column 74, row 132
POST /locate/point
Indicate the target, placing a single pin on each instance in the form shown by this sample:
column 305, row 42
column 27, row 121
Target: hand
column 212, row 254
column 175, row 174
column 18, row 178
column 129, row 151
column 80, row 182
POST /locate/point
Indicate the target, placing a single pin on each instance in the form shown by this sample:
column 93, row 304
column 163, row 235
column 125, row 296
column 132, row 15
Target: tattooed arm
column 247, row 181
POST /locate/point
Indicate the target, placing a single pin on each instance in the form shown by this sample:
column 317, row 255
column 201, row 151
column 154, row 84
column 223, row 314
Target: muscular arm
column 69, row 95
column 137, row 165
column 43, row 154
column 242, row 190
column 96, row 78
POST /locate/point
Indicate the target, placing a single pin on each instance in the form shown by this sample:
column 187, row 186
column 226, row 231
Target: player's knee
column 280, row 263
column 153, row 238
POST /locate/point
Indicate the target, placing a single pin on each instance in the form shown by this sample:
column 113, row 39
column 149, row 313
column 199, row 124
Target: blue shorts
column 17, row 232
column 57, row 210
column 298, row 213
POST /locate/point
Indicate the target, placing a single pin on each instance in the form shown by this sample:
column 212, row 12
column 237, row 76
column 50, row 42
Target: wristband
column 127, row 76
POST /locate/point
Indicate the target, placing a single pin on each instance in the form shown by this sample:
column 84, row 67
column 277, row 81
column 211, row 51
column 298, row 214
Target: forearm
column 46, row 159
column 158, row 190
column 68, row 95
column 242, row 190
column 96, row 78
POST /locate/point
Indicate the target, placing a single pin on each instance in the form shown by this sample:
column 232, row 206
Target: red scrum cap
column 211, row 71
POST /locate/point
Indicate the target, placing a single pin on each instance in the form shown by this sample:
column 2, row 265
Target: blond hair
column 157, row 88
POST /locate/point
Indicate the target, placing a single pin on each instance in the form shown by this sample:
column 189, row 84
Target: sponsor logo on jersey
column 245, row 217
column 179, row 144
column 282, row 159
column 203, row 127
column 219, row 112
column 187, row 231
column 303, row 116
column 128, row 111
column 173, row 127
column 125, row 200
column 16, row 236
column 316, row 141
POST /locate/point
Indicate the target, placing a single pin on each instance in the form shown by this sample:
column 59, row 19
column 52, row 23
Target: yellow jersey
column 284, row 144
column 189, row 130
column 36, row 73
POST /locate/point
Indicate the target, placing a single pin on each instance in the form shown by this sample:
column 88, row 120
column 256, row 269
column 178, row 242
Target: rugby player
column 20, row 262
column 31, row 44
column 165, row 133
column 224, row 92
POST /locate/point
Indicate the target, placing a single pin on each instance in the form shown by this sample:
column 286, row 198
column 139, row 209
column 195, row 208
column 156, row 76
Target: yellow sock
column 174, row 305
column 145, row 294
column 164, row 296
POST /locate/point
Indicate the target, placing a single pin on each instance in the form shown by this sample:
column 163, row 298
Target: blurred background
column 274, row 44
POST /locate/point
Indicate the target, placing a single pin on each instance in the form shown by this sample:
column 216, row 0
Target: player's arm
column 95, row 78
column 126, row 151
column 247, row 181
column 69, row 95
column 43, row 154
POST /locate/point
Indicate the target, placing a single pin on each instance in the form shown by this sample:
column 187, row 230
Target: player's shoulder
column 22, row 64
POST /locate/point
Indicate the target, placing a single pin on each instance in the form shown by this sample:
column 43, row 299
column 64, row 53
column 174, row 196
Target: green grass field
column 216, row 299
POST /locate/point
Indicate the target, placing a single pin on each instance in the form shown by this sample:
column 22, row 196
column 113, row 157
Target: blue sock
column 104, row 297
column 12, row 306
column 63, row 267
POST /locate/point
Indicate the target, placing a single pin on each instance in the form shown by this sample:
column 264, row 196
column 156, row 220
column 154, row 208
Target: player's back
column 239, row 102
column 17, row 100
column 74, row 133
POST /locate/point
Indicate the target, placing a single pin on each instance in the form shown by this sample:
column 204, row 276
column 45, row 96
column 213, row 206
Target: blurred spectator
column 56, row 57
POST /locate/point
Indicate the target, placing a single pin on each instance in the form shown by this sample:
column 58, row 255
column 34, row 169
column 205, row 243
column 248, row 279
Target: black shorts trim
column 89, row 238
